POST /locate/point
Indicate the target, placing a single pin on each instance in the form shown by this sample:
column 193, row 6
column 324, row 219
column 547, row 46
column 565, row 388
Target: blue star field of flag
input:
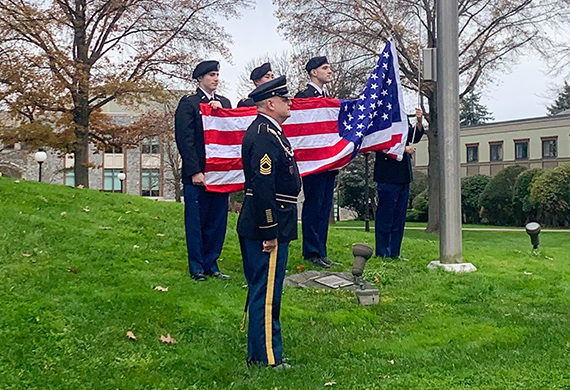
column 377, row 107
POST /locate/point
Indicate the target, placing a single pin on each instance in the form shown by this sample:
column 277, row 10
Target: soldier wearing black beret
column 318, row 188
column 259, row 75
column 268, row 219
column 205, row 213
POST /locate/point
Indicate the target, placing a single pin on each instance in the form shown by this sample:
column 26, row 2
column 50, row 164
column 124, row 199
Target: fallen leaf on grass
column 167, row 339
column 527, row 273
column 160, row 288
column 16, row 181
column 63, row 213
column 131, row 335
column 80, row 186
column 46, row 367
column 507, row 314
column 300, row 268
column 73, row 270
column 86, row 209
column 330, row 383
column 136, row 246
column 549, row 258
column 104, row 227
column 160, row 234
column 376, row 278
column 44, row 199
column 157, row 218
column 391, row 361
column 127, row 212
column 26, row 254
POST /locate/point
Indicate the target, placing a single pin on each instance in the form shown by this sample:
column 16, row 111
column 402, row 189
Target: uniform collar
column 210, row 97
column 320, row 90
column 273, row 121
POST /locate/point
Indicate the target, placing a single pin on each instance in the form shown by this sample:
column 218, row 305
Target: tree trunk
column 433, row 167
column 178, row 186
column 81, row 152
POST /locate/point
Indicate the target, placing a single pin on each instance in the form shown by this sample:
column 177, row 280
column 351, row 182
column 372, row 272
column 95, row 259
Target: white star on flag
column 359, row 133
column 389, row 106
column 385, row 116
column 384, row 92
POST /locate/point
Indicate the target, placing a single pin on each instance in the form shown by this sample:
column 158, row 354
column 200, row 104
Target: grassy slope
column 503, row 327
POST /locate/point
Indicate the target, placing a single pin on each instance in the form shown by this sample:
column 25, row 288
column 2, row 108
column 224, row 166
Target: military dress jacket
column 246, row 103
column 190, row 133
column 389, row 170
column 309, row 92
column 272, row 184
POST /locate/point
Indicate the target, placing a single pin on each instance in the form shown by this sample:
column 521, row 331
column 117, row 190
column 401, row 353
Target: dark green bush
column 417, row 186
column 420, row 206
column 551, row 191
column 471, row 189
column 497, row 198
column 524, row 209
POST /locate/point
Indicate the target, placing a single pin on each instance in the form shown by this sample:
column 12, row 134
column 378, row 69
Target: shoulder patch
column 265, row 165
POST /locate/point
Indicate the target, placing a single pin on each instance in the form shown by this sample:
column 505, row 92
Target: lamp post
column 40, row 157
column 122, row 178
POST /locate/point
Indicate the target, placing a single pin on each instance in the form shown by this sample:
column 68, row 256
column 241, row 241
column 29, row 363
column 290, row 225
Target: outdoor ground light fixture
column 533, row 230
column 361, row 253
column 121, row 176
column 40, row 157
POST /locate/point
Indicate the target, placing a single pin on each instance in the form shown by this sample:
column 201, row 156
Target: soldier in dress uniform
column 259, row 75
column 318, row 188
column 268, row 219
column 205, row 213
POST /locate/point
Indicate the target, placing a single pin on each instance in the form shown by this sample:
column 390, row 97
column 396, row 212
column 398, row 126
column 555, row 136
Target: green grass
column 506, row 326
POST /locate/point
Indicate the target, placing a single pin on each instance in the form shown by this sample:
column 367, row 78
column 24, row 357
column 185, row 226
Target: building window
column 496, row 151
column 521, row 150
column 112, row 182
column 70, row 178
column 113, row 149
column 549, row 149
column 151, row 146
column 472, row 153
column 150, row 182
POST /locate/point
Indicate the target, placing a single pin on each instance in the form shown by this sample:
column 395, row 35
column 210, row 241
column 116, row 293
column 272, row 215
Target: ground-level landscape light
column 533, row 230
column 40, row 157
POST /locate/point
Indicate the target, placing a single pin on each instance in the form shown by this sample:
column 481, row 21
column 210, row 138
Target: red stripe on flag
column 302, row 129
column 207, row 110
column 223, row 164
column 316, row 102
column 334, row 165
column 225, row 187
column 320, row 153
column 223, row 137
column 396, row 139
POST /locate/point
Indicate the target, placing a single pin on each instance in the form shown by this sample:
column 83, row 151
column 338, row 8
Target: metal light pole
column 40, row 157
column 449, row 147
column 366, row 195
column 122, row 178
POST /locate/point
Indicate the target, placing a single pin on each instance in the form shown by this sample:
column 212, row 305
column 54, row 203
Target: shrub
column 471, row 189
column 417, row 186
column 496, row 200
column 551, row 191
column 352, row 187
column 420, row 207
column 524, row 209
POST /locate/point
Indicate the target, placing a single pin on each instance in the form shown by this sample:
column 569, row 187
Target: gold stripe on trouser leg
column 269, row 306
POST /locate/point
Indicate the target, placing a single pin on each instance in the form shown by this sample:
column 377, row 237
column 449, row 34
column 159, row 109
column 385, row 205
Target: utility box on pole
column 430, row 64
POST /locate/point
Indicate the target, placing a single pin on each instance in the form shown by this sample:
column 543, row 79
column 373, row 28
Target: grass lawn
column 72, row 285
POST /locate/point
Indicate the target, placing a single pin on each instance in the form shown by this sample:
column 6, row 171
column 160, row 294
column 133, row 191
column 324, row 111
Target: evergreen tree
column 472, row 112
column 562, row 102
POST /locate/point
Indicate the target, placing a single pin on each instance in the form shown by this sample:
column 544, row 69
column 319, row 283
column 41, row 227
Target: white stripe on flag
column 227, row 124
column 225, row 177
column 309, row 166
column 314, row 141
column 324, row 114
column 223, row 151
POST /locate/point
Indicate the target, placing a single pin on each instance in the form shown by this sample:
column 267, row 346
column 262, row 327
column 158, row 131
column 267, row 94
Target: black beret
column 205, row 67
column 260, row 71
column 315, row 62
column 275, row 87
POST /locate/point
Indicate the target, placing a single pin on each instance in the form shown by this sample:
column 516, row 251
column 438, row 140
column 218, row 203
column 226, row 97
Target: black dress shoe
column 221, row 276
column 326, row 260
column 199, row 277
column 318, row 261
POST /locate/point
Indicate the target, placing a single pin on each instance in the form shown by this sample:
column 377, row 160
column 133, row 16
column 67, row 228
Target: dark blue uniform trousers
column 206, row 219
column 318, row 190
column 264, row 273
column 391, row 218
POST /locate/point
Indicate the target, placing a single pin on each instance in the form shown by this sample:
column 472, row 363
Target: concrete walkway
column 473, row 229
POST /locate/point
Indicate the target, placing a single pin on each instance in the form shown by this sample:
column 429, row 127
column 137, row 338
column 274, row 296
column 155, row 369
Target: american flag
column 324, row 133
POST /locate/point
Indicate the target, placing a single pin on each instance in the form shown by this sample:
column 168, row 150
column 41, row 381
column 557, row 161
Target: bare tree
column 61, row 60
column 491, row 34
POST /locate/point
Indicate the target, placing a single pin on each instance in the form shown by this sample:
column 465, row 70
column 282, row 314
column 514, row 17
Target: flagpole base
column 457, row 268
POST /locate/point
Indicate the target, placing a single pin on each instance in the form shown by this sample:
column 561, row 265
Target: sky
column 524, row 92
